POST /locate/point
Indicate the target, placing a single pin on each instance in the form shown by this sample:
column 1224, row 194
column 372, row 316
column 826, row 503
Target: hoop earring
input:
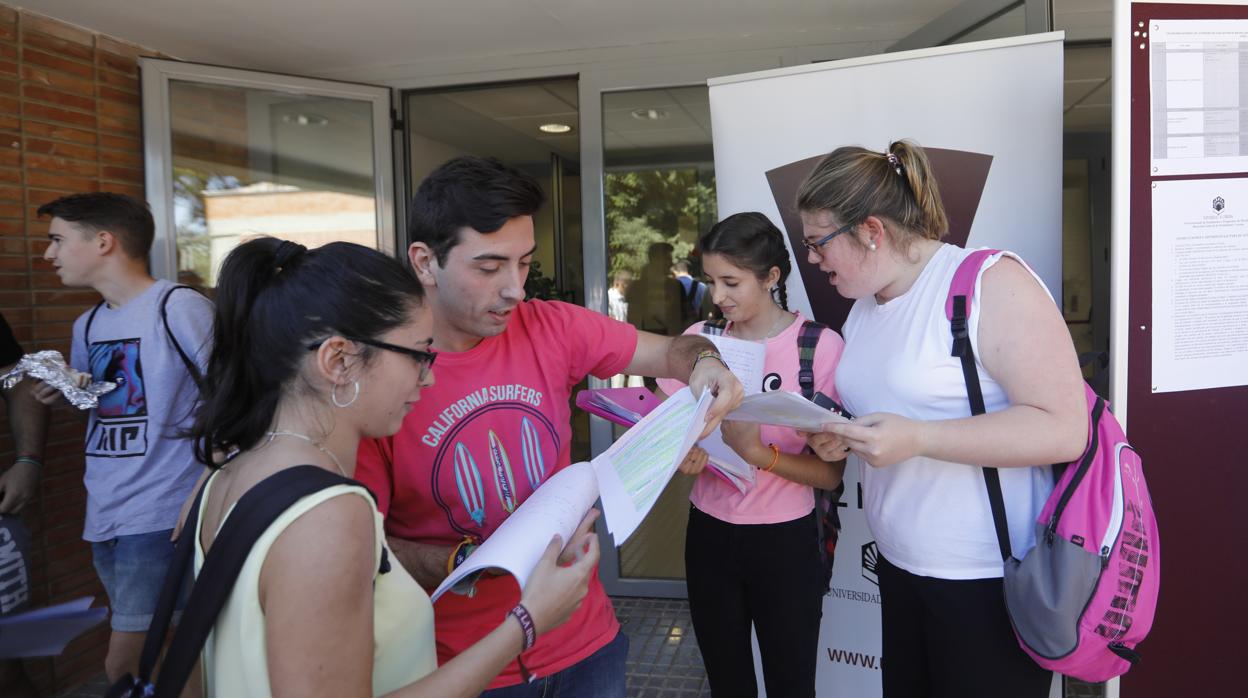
column 333, row 395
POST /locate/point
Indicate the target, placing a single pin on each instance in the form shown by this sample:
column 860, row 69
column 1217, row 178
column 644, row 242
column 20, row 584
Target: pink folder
column 620, row 405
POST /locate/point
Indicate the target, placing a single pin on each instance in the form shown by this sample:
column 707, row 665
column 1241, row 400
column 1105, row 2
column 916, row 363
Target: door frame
column 156, row 73
column 594, row 84
column 1093, row 146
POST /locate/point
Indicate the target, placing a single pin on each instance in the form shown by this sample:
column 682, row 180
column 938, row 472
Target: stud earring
column 871, row 247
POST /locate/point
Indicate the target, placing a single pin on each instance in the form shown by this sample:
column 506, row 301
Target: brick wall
column 69, row 121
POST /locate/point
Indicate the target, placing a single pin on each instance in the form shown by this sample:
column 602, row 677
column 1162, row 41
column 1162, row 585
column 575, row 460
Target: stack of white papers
column 634, row 471
column 784, row 409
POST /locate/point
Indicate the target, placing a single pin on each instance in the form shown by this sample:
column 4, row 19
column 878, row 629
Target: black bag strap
column 86, row 331
column 191, row 367
column 715, row 326
column 807, row 342
column 975, row 395
column 255, row 511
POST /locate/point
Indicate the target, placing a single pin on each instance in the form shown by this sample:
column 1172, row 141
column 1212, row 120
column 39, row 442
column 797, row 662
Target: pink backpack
column 1083, row 598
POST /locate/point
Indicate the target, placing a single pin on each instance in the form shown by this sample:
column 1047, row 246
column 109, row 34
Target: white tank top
column 931, row 517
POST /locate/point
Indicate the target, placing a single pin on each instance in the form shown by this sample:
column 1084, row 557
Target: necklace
column 274, row 434
column 776, row 328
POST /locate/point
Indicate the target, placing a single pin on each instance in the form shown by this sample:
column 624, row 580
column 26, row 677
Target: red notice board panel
column 1197, row 467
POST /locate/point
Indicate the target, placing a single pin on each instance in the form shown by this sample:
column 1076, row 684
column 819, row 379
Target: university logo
column 870, row 559
column 1218, row 204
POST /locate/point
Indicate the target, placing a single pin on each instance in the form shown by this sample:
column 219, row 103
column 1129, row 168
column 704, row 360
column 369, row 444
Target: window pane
column 250, row 162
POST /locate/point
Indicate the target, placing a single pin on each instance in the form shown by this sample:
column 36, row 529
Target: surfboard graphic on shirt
column 504, row 481
column 531, row 449
column 468, row 481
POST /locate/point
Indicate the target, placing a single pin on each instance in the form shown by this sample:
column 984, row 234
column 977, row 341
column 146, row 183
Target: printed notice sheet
column 1200, row 284
column 1198, row 72
column 744, row 359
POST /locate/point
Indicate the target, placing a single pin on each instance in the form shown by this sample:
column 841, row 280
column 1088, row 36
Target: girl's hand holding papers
column 881, row 439
column 743, row 437
column 554, row 591
column 695, row 461
column 829, row 447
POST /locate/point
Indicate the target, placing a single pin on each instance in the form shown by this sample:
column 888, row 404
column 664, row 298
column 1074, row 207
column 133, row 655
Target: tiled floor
column 663, row 658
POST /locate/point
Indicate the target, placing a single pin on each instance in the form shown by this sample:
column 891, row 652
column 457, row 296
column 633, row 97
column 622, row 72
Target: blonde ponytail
column 853, row 183
column 917, row 170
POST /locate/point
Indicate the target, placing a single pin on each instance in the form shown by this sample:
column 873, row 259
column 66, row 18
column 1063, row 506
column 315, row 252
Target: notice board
column 1181, row 334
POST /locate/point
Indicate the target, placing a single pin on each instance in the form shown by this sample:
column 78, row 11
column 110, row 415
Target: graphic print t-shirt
column 139, row 471
column 492, row 428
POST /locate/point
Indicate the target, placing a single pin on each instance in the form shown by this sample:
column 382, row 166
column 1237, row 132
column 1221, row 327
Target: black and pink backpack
column 1085, row 596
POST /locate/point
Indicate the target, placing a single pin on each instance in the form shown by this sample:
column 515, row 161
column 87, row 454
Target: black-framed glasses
column 424, row 358
column 815, row 247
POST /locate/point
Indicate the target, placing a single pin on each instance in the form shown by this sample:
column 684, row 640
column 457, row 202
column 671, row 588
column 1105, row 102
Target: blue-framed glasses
column 423, row 358
column 815, row 247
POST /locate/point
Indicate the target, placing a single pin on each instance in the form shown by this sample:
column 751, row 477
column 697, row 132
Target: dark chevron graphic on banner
column 961, row 176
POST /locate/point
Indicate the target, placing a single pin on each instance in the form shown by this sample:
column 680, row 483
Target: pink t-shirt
column 773, row 499
column 494, row 426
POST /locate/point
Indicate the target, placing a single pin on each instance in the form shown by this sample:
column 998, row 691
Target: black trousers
column 946, row 638
column 765, row 574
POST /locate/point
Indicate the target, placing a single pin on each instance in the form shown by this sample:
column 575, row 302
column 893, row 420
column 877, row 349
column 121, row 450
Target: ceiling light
column 554, row 128
column 649, row 114
column 305, row 119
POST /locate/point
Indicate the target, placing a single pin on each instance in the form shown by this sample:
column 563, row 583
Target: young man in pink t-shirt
column 495, row 425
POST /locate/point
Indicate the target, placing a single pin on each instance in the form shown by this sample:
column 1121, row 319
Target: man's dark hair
column 474, row 192
column 124, row 216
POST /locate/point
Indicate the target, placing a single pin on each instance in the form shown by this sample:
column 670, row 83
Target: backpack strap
column 255, row 511
column 715, row 327
column 86, row 331
column 191, row 367
column 957, row 309
column 807, row 342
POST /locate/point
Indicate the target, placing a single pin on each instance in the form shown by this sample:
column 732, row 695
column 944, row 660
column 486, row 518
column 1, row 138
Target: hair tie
column 286, row 253
column 894, row 161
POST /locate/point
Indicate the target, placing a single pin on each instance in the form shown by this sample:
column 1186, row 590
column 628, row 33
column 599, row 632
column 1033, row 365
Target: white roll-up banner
column 989, row 116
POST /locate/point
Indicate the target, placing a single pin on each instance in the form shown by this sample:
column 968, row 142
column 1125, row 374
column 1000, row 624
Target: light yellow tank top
column 235, row 659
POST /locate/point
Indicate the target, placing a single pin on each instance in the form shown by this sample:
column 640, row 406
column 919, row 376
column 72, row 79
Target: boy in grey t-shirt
column 152, row 338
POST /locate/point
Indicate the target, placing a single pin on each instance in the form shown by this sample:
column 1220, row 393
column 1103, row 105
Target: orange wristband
column 775, row 457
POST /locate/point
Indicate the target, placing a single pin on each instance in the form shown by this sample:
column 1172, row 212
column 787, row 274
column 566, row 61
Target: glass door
column 534, row 126
column 234, row 154
column 658, row 197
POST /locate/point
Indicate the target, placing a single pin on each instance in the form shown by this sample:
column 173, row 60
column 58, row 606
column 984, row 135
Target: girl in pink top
column 752, row 558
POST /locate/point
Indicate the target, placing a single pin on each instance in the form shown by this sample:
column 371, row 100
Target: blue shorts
column 133, row 569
